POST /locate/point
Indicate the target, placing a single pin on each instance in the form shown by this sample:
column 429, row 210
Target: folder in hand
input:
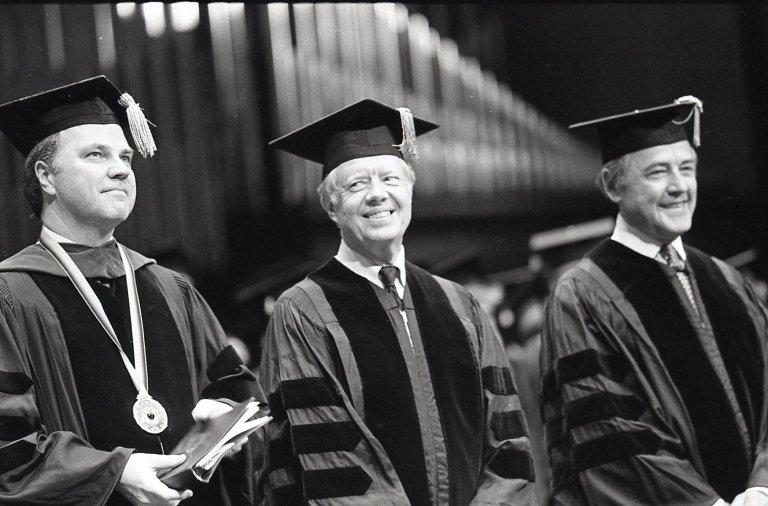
column 207, row 442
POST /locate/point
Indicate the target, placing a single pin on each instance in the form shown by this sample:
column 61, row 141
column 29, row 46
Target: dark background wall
column 215, row 193
column 582, row 61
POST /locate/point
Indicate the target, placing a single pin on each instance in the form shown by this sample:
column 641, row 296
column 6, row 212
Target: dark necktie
column 672, row 259
column 388, row 274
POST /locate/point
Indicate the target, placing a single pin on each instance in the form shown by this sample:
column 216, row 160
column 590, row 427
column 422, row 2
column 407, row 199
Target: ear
column 333, row 215
column 608, row 189
column 46, row 177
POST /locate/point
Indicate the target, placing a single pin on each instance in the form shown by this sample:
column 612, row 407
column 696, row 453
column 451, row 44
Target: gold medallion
column 150, row 415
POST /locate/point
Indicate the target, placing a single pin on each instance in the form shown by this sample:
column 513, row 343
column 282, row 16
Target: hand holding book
column 208, row 442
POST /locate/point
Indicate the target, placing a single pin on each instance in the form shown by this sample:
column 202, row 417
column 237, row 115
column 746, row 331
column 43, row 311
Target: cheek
column 403, row 196
column 345, row 211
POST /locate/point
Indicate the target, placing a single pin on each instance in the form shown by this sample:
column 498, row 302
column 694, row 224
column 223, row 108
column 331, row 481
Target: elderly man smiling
column 387, row 384
column 653, row 352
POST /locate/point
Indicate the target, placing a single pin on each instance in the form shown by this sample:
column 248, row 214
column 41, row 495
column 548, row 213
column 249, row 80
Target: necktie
column 672, row 259
column 388, row 274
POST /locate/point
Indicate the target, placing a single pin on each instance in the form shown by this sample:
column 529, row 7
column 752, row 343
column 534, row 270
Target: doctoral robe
column 66, row 424
column 366, row 414
column 644, row 403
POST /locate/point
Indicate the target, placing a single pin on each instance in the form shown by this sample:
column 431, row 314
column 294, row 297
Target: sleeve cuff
column 230, row 378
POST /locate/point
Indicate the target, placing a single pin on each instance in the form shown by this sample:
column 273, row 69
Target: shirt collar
column 627, row 235
column 363, row 266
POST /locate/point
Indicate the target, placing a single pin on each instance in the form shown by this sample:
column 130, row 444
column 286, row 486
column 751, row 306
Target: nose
column 677, row 183
column 119, row 169
column 377, row 190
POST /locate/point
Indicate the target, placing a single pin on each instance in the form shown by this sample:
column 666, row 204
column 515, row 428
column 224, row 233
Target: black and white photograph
column 346, row 253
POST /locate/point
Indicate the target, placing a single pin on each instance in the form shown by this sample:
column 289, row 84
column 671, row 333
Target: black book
column 207, row 442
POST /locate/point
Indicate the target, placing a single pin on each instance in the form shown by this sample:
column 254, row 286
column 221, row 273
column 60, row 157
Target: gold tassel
column 139, row 126
column 697, row 110
column 408, row 146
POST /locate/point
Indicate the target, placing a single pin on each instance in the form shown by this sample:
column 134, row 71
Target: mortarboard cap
column 640, row 129
column 559, row 248
column 366, row 128
column 462, row 267
column 29, row 120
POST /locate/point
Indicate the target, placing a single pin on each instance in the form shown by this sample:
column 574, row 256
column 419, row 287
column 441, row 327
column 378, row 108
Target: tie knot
column 672, row 258
column 388, row 274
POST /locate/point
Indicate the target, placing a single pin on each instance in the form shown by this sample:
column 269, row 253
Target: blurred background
column 505, row 198
column 505, row 194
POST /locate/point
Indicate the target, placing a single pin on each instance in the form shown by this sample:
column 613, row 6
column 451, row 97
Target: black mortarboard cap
column 365, row 128
column 462, row 267
column 640, row 129
column 29, row 120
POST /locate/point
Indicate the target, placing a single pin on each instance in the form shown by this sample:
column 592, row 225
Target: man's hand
column 754, row 496
column 140, row 485
column 207, row 409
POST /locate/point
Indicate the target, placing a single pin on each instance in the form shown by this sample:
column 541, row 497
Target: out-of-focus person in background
column 261, row 292
column 653, row 353
column 520, row 318
column 106, row 358
column 746, row 263
column 394, row 386
column 521, row 315
column 466, row 268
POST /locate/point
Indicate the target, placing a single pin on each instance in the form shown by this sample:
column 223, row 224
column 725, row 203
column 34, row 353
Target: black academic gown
column 66, row 428
column 643, row 403
column 366, row 414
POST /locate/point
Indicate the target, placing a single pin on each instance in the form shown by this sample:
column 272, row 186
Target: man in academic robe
column 653, row 353
column 388, row 385
column 104, row 354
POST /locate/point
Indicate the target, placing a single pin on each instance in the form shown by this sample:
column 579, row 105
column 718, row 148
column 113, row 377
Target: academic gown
column 66, row 425
column 365, row 414
column 643, row 403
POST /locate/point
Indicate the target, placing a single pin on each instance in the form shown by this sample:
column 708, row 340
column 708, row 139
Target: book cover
column 207, row 442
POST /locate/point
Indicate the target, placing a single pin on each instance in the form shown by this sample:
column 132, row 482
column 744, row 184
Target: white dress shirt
column 629, row 236
column 362, row 266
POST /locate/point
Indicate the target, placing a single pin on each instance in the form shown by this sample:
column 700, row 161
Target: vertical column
column 288, row 112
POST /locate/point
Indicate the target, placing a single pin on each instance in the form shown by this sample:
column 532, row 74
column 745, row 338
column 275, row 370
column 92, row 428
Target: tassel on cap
column 408, row 146
column 697, row 110
column 139, row 125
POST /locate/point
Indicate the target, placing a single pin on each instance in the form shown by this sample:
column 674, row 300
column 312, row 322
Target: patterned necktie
column 672, row 259
column 388, row 274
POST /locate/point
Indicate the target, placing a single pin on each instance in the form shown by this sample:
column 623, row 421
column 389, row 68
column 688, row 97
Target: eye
column 127, row 159
column 356, row 185
column 95, row 155
column 391, row 180
column 688, row 170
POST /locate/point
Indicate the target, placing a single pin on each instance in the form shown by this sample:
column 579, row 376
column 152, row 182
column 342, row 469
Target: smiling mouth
column 379, row 215
column 675, row 205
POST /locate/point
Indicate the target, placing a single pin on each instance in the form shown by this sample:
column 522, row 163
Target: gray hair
column 330, row 188
column 44, row 151
column 615, row 169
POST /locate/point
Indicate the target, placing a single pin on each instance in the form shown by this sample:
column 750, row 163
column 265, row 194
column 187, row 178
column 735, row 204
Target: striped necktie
column 388, row 274
column 670, row 257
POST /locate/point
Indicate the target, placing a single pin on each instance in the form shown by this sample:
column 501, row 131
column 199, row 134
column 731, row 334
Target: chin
column 382, row 234
column 670, row 234
column 116, row 217
column 379, row 240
